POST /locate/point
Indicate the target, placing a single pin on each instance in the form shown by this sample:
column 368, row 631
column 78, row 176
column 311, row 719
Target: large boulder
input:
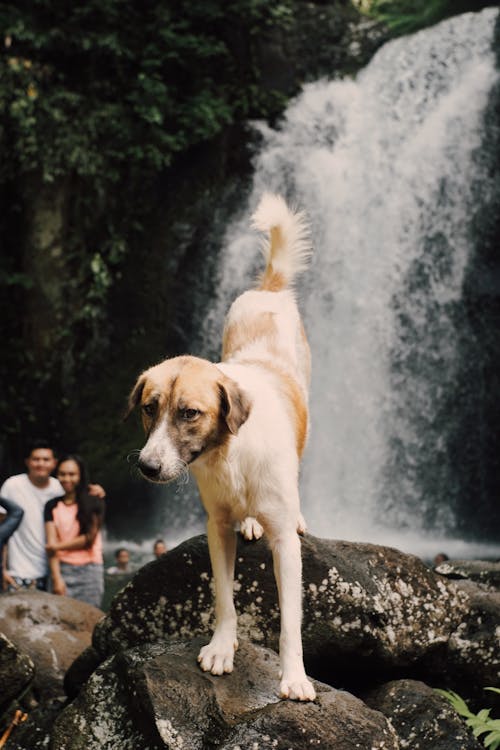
column 473, row 650
column 422, row 718
column 157, row 697
column 368, row 610
column 16, row 672
column 52, row 630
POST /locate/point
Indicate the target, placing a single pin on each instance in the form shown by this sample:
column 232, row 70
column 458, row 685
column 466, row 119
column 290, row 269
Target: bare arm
column 82, row 541
column 7, row 579
column 97, row 491
column 58, row 585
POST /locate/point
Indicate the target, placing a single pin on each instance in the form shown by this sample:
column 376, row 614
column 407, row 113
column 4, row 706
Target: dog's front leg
column 287, row 560
column 217, row 657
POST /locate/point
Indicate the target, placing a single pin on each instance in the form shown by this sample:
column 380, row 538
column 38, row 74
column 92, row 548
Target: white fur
column 258, row 479
column 160, row 450
column 256, row 483
column 292, row 256
column 252, row 479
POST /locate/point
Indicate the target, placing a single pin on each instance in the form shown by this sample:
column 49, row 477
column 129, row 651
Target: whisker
column 183, row 477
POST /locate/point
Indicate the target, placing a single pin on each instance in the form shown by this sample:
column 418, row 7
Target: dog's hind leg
column 250, row 528
column 285, row 545
column 217, row 657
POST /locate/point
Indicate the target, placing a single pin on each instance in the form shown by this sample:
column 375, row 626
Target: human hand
column 7, row 581
column 51, row 549
column 58, row 586
column 97, row 491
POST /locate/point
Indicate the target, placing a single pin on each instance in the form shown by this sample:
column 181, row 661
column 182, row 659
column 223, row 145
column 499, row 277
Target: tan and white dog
column 241, row 426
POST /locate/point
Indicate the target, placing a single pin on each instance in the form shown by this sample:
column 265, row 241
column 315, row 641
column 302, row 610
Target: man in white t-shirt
column 26, row 565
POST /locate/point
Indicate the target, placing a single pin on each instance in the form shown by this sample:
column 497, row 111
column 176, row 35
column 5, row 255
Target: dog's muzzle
column 150, row 469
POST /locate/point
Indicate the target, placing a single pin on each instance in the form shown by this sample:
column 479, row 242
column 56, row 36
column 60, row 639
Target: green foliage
column 98, row 99
column 407, row 16
column 480, row 723
column 92, row 86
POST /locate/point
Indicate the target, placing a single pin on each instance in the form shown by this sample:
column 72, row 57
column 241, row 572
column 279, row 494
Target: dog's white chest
column 222, row 483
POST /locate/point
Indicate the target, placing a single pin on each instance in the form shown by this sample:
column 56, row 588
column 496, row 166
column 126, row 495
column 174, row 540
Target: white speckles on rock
column 169, row 735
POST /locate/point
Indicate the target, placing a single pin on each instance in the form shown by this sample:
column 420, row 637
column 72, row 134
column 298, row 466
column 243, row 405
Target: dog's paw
column 217, row 656
column 251, row 529
column 301, row 524
column 297, row 689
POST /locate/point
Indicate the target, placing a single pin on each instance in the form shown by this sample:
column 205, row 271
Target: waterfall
column 383, row 164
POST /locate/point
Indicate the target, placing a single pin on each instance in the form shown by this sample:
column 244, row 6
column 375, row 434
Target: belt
column 31, row 583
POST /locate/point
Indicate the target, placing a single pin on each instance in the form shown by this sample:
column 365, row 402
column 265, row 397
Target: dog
column 241, row 426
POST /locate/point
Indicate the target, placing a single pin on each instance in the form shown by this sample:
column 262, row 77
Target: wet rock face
column 421, row 718
column 51, row 630
column 367, row 609
column 156, row 697
column 16, row 672
column 482, row 572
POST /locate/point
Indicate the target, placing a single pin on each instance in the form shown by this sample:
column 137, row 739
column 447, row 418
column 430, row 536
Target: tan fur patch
column 295, row 397
column 191, row 383
column 238, row 335
column 272, row 281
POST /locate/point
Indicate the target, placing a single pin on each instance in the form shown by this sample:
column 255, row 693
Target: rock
column 113, row 583
column 34, row 733
column 16, row 672
column 320, row 39
column 480, row 571
column 421, row 717
column 473, row 650
column 79, row 671
column 52, row 630
column 157, row 697
column 368, row 610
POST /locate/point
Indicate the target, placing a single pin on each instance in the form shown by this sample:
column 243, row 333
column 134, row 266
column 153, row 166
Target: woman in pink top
column 73, row 529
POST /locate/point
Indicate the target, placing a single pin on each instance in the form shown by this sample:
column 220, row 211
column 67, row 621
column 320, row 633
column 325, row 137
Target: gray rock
column 52, row 630
column 480, row 571
column 16, row 672
column 157, row 697
column 79, row 671
column 473, row 650
column 421, row 717
column 366, row 609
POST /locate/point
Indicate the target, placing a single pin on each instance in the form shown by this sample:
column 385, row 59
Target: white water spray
column 383, row 165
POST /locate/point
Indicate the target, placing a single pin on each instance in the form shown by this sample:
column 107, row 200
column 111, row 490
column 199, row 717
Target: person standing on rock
column 26, row 564
column 73, row 525
column 25, row 559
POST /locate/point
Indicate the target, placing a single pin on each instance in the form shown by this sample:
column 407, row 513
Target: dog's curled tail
column 287, row 248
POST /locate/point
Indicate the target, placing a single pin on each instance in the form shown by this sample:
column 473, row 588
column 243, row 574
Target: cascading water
column 383, row 165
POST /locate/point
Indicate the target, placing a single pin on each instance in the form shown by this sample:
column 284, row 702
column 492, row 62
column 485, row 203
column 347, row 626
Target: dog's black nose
column 150, row 469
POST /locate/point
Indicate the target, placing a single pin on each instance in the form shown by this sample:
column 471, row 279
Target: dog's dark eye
column 149, row 409
column 189, row 414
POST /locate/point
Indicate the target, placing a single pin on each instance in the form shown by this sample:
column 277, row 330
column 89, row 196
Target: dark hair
column 120, row 549
column 39, row 444
column 88, row 505
column 159, row 541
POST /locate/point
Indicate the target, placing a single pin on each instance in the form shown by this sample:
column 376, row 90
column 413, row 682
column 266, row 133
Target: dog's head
column 188, row 408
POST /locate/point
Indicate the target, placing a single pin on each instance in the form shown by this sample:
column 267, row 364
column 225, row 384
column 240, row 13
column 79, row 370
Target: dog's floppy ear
column 135, row 396
column 235, row 404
